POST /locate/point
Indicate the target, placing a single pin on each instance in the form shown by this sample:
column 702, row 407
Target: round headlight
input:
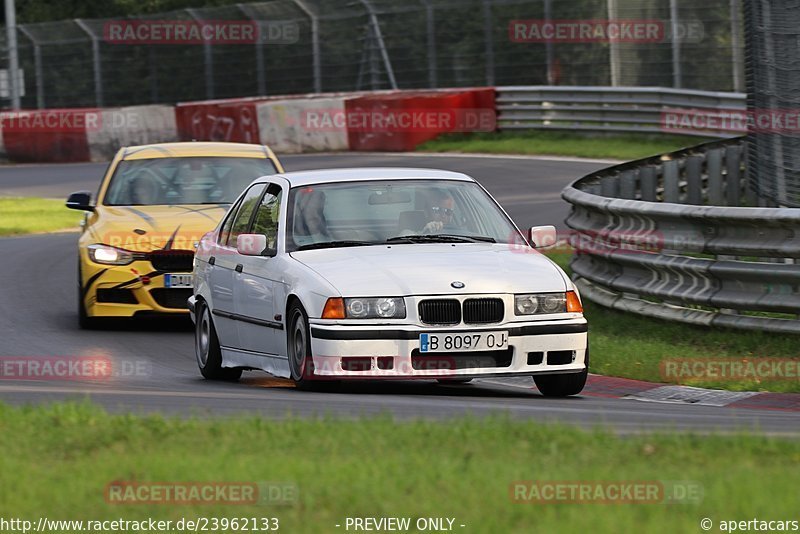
column 553, row 303
column 357, row 308
column 526, row 305
column 386, row 307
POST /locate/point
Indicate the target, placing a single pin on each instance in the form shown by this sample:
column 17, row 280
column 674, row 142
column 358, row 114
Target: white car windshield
column 397, row 211
column 190, row 180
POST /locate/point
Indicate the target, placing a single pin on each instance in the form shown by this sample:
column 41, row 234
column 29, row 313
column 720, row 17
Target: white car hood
column 429, row 269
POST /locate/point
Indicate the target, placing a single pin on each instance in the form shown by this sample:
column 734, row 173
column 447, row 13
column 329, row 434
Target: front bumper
column 129, row 290
column 540, row 347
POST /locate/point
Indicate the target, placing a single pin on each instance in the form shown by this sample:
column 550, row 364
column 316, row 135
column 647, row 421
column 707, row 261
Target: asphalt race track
column 38, row 318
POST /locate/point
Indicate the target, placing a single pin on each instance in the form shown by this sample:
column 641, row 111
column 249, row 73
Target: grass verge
column 57, row 461
column 26, row 215
column 628, row 345
column 549, row 143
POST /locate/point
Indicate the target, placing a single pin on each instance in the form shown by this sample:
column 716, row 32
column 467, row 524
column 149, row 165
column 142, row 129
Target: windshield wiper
column 441, row 238
column 335, row 244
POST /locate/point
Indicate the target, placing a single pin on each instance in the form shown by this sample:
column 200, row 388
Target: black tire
column 84, row 321
column 562, row 385
column 454, row 380
column 298, row 348
column 207, row 351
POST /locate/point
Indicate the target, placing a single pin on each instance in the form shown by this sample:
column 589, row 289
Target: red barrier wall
column 457, row 110
column 51, row 136
column 218, row 120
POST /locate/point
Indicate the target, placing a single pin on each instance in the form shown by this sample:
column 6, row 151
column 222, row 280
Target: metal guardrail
column 606, row 109
column 667, row 237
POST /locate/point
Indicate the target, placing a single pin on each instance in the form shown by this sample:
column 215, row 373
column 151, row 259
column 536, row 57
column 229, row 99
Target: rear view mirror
column 389, row 197
column 542, row 236
column 80, row 201
column 251, row 244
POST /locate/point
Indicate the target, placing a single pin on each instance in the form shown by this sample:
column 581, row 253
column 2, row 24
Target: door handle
column 239, row 268
column 212, row 260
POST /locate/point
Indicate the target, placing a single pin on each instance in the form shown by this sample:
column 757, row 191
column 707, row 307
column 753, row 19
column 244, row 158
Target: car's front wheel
column 298, row 341
column 84, row 321
column 207, row 350
column 562, row 385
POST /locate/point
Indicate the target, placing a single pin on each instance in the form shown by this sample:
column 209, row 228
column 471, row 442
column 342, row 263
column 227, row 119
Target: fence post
column 13, row 54
column 261, row 81
column 548, row 46
column 37, row 65
column 208, row 57
column 98, row 73
column 736, row 50
column 376, row 29
column 676, row 45
column 613, row 47
column 315, row 50
column 431, row 29
column 487, row 32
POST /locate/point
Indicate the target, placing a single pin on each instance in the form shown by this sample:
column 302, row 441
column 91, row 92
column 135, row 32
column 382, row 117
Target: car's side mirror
column 251, row 244
column 80, row 201
column 542, row 236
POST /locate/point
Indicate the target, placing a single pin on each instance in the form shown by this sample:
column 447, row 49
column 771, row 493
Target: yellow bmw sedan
column 155, row 203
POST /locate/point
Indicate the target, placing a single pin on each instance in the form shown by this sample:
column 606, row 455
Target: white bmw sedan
column 383, row 273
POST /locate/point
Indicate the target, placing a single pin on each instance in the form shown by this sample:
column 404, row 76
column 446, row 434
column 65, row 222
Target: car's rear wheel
column 562, row 385
column 207, row 350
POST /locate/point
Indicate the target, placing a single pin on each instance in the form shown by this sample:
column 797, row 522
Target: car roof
column 320, row 176
column 195, row 149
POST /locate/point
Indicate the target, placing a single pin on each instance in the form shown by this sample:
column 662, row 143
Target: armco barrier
column 715, row 262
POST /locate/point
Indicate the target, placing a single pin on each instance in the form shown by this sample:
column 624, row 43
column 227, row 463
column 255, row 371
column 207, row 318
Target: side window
column 242, row 219
column 225, row 230
column 266, row 221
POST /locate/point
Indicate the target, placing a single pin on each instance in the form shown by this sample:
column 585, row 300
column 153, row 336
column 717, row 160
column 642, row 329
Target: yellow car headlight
column 107, row 255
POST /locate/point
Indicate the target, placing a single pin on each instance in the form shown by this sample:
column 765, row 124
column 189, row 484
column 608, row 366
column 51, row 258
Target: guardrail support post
column 672, row 192
column 733, row 182
column 647, row 179
column 694, row 180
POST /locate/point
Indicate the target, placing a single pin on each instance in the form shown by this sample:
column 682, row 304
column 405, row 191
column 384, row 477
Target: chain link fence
column 346, row 45
column 773, row 94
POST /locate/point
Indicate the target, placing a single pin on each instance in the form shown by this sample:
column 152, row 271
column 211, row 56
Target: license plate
column 177, row 280
column 465, row 342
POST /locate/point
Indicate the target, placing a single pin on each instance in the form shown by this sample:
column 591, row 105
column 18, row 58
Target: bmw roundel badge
column 457, row 285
